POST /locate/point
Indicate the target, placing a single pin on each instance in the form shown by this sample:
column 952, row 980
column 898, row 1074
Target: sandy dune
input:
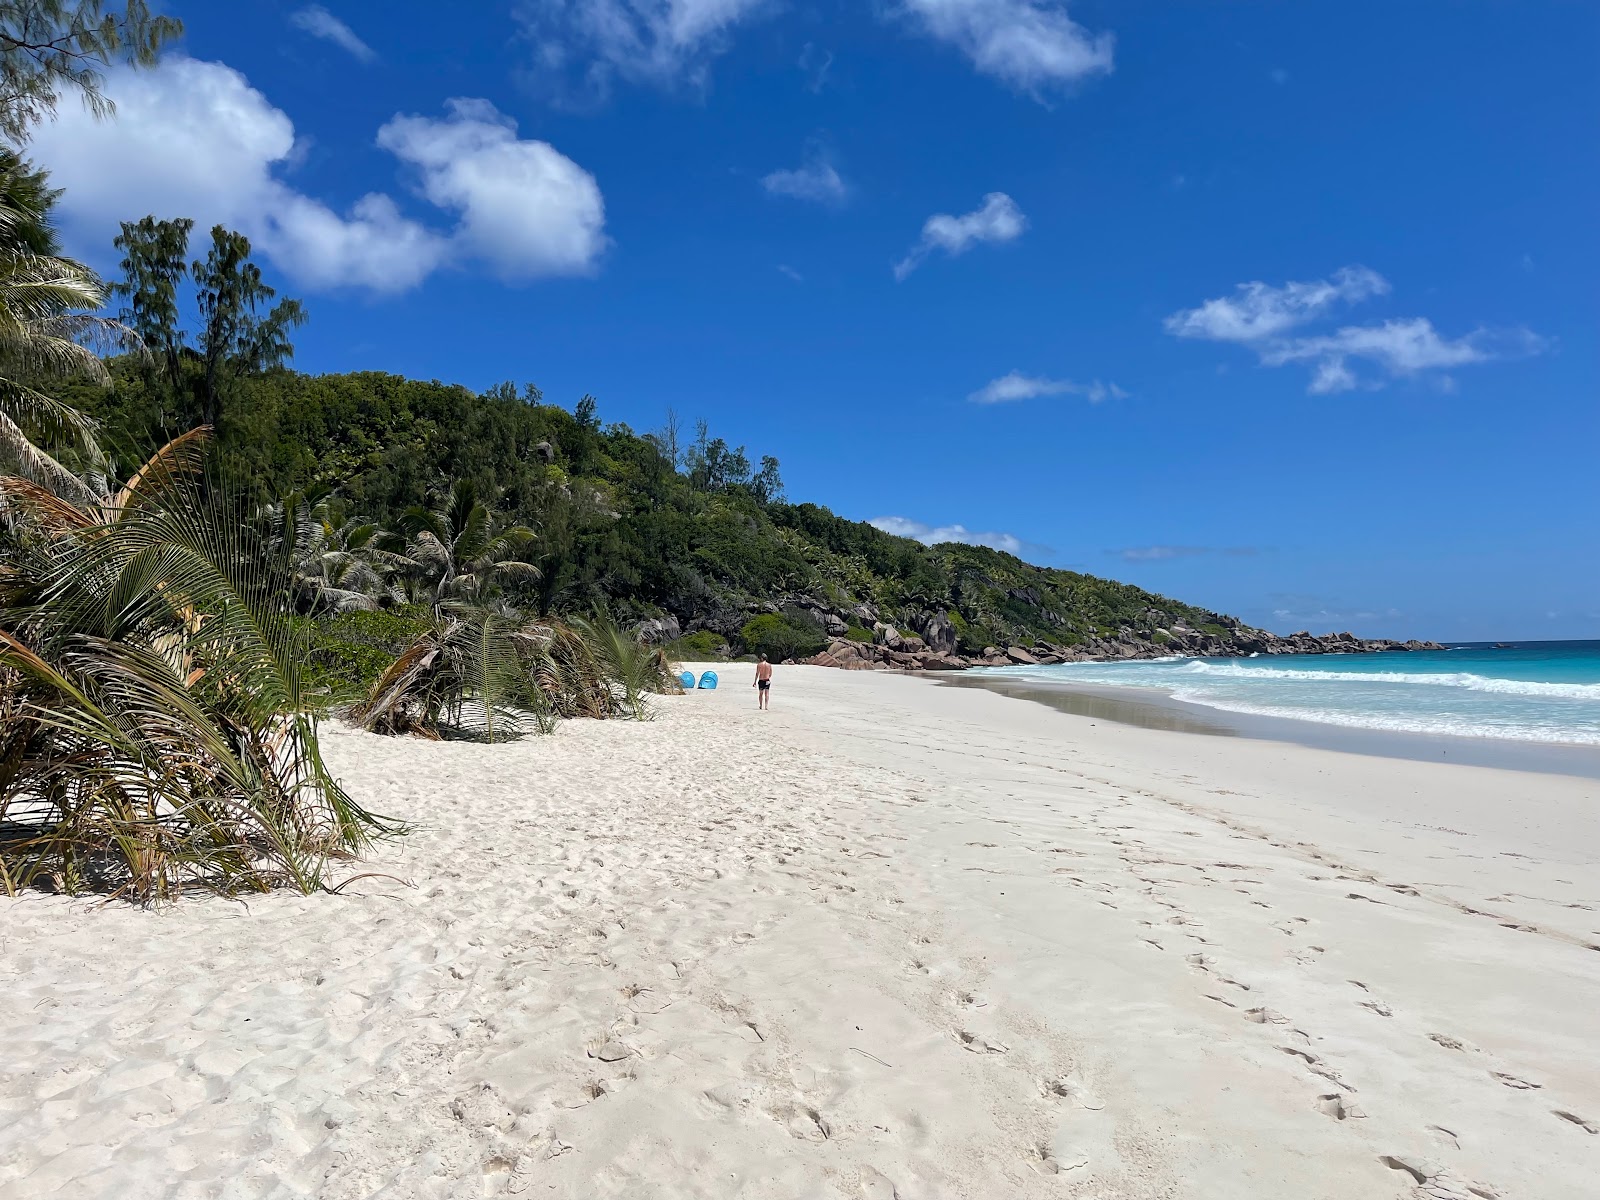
column 889, row 939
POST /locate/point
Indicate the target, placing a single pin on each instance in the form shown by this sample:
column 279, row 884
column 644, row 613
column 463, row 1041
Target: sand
column 888, row 939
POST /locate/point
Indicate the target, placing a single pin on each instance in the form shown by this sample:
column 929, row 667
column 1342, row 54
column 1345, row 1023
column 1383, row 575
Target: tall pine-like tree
column 236, row 338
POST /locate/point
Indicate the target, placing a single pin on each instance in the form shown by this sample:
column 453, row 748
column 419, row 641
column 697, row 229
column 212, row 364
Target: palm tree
column 458, row 554
column 46, row 334
column 154, row 730
column 485, row 674
column 338, row 561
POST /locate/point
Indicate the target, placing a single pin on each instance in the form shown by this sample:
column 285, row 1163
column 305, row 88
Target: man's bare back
column 763, row 682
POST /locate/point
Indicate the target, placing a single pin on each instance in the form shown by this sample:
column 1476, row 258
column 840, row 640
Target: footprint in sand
column 1512, row 1081
column 803, row 1122
column 1043, row 1160
column 1334, row 1105
column 1586, row 1125
column 876, row 1186
column 1261, row 1016
column 1435, row 1180
column 1447, row 1136
column 1379, row 1007
column 1064, row 1087
column 979, row 1044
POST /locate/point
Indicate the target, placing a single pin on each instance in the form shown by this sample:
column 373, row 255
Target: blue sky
column 1285, row 309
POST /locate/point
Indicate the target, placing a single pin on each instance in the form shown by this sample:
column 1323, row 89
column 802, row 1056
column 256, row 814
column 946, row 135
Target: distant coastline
column 1530, row 706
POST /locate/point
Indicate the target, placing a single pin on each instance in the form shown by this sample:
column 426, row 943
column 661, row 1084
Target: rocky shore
column 859, row 638
column 934, row 648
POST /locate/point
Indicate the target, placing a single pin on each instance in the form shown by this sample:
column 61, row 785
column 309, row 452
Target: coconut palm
column 632, row 668
column 479, row 672
column 458, row 553
column 338, row 561
column 47, row 333
column 471, row 672
column 154, row 730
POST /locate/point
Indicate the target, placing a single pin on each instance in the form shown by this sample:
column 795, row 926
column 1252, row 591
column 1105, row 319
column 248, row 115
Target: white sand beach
column 890, row 939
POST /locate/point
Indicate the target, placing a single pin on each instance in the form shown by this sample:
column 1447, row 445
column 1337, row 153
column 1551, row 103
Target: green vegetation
column 614, row 518
column 48, row 47
column 155, row 729
column 349, row 651
column 703, row 646
column 782, row 636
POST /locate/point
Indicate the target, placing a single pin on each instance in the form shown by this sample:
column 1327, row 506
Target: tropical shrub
column 701, row 646
column 350, row 650
column 783, row 636
column 475, row 672
column 155, row 729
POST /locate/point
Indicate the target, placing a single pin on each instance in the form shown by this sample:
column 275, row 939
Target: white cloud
column 194, row 139
column 525, row 207
column 320, row 23
column 999, row 220
column 661, row 42
column 786, row 269
column 1017, row 386
column 1399, row 347
column 1257, row 310
column 817, row 179
column 1164, row 553
column 932, row 535
column 1262, row 318
column 1032, row 45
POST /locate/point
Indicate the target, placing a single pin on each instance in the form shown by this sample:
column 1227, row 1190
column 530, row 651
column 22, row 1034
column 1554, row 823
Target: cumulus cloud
column 1398, row 347
column 817, row 179
column 1265, row 318
column 1033, row 45
column 1257, row 311
column 1163, row 553
column 932, row 535
column 524, row 206
column 1017, row 386
column 660, row 42
column 320, row 23
column 999, row 220
column 194, row 139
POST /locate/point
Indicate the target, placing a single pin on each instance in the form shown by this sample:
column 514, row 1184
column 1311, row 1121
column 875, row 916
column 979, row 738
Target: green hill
column 688, row 532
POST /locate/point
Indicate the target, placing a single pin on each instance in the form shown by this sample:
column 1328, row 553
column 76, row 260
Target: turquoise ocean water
column 1527, row 691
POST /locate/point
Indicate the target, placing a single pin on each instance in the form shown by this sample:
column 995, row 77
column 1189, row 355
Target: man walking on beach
column 763, row 683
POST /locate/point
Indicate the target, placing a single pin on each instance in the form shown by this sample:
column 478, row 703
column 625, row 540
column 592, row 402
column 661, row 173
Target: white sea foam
column 1455, row 679
column 1396, row 723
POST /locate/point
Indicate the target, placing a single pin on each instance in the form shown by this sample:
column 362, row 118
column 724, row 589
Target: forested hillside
column 650, row 525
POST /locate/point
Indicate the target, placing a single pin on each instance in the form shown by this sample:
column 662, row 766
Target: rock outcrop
column 916, row 654
column 929, row 638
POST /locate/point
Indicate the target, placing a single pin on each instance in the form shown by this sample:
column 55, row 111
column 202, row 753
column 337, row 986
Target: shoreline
column 1157, row 708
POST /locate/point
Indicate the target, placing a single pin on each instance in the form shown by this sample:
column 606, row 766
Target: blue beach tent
column 709, row 680
column 687, row 679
